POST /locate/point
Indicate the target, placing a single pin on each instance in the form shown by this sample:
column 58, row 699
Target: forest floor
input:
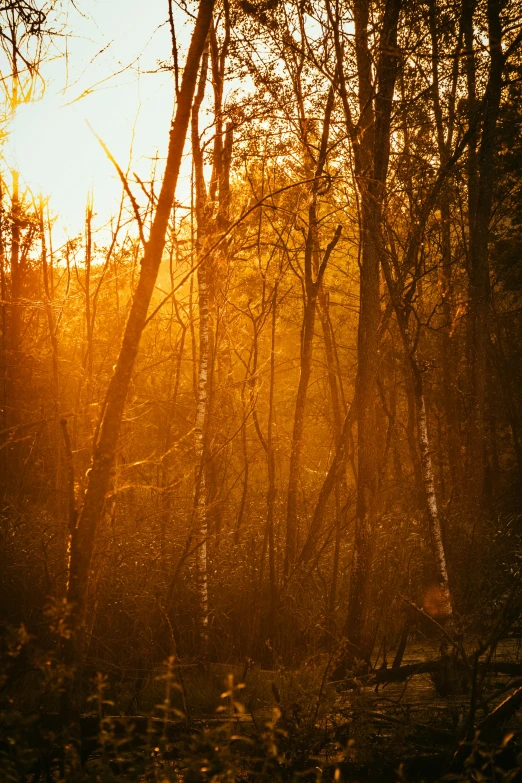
column 370, row 724
column 417, row 694
column 368, row 730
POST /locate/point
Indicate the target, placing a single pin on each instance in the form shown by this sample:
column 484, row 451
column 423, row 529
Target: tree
column 106, row 440
column 370, row 138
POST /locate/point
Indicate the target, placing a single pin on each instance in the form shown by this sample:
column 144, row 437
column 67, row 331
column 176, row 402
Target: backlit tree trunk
column 271, row 493
column 205, row 365
column 104, row 451
column 312, row 284
column 370, row 138
column 444, row 135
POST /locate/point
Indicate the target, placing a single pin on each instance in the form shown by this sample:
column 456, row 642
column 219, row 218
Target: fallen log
column 487, row 728
column 503, row 712
column 401, row 673
column 430, row 667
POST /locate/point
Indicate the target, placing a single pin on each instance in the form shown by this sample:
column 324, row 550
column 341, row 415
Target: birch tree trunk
column 16, row 273
column 201, row 521
column 220, row 401
column 13, row 379
column 443, row 601
column 211, row 209
column 83, row 537
column 200, row 451
column 444, row 135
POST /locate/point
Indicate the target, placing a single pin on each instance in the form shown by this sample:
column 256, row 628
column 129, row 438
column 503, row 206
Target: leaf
column 507, row 739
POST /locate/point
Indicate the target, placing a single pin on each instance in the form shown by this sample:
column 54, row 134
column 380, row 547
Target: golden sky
column 106, row 79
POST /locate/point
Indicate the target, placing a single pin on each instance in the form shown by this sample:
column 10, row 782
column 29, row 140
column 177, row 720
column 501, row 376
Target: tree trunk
column 13, row 386
column 444, row 136
column 371, row 145
column 205, row 368
column 51, row 325
column 328, row 338
column 311, row 289
column 271, row 491
column 479, row 258
column 106, row 440
column 16, row 276
column 443, row 606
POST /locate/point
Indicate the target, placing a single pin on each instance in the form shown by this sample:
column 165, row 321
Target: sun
column 54, row 152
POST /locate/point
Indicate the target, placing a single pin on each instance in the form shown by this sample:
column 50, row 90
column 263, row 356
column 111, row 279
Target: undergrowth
column 278, row 726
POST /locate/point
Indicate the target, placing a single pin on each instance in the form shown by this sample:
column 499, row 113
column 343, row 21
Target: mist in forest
column 260, row 391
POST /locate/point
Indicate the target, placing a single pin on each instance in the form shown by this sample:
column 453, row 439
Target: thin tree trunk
column 246, row 470
column 88, row 356
column 331, row 478
column 337, row 428
column 411, row 433
column 205, row 367
column 271, row 491
column 51, row 324
column 16, row 274
column 307, row 336
column 444, row 599
column 50, row 314
column 13, row 377
column 311, row 289
column 200, row 456
column 221, row 404
column 104, row 452
column 449, row 368
column 5, row 348
column 251, row 382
